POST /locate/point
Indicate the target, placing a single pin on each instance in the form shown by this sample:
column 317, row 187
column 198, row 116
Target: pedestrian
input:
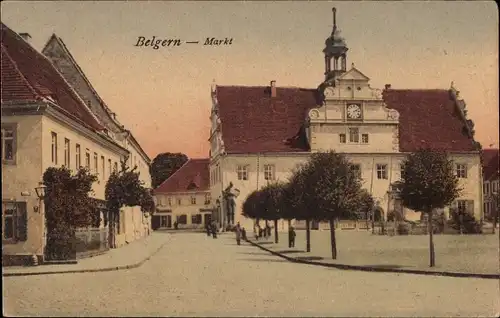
column 291, row 237
column 214, row 230
column 268, row 229
column 176, row 225
column 207, row 228
column 243, row 234
column 260, row 231
column 255, row 233
column 238, row 233
column 265, row 232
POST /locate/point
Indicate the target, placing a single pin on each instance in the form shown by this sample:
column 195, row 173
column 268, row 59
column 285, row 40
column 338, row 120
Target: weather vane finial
column 334, row 10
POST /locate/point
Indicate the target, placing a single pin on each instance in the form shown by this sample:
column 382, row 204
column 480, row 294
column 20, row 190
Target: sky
column 163, row 95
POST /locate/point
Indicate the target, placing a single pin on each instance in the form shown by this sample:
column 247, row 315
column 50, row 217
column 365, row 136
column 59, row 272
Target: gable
column 57, row 52
column 353, row 74
column 194, row 175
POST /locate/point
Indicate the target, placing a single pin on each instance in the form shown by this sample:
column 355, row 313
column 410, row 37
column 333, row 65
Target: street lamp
column 40, row 193
column 40, row 190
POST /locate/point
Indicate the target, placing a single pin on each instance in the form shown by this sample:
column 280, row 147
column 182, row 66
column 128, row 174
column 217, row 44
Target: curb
column 380, row 270
column 106, row 269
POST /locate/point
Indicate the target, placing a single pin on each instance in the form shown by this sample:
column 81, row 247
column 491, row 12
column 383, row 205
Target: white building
column 184, row 197
column 491, row 180
column 46, row 123
column 262, row 133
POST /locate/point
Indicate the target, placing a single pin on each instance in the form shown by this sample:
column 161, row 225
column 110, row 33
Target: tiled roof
column 428, row 119
column 253, row 122
column 28, row 76
column 194, row 175
column 490, row 163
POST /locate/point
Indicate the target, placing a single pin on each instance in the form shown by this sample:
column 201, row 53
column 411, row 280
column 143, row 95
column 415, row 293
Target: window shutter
column 470, row 207
column 22, row 222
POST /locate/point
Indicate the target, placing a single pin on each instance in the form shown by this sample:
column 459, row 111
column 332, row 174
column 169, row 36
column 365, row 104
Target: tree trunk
column 289, row 229
column 111, row 228
column 431, row 240
column 333, row 239
column 308, row 235
column 276, row 231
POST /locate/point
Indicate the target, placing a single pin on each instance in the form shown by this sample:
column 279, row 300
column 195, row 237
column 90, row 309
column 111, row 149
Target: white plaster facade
column 191, row 209
column 377, row 155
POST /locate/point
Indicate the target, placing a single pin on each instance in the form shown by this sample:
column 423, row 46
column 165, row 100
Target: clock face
column 354, row 111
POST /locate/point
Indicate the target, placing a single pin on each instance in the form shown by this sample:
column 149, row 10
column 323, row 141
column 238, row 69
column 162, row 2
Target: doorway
column 207, row 218
column 166, row 221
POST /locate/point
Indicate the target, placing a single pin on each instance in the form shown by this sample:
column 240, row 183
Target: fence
column 91, row 241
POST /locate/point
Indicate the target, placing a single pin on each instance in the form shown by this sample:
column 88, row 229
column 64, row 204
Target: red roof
column 28, row 76
column 428, row 119
column 194, row 175
column 253, row 122
column 490, row 163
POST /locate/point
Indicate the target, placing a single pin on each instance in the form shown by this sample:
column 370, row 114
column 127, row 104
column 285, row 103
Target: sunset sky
column 163, row 95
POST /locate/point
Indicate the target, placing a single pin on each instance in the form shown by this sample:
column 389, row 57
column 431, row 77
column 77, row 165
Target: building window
column 66, row 152
column 242, row 172
column 163, row 221
column 8, row 142
column 486, row 188
column 87, row 159
column 115, row 168
column 193, row 200
column 381, row 171
column 110, row 167
column 95, row 163
column 179, row 201
column 401, row 170
column 103, row 167
column 461, row 171
column 169, row 201
column 182, row 219
column 342, row 138
column 354, row 135
column 465, row 206
column 196, row 219
column 54, row 148
column 494, row 187
column 356, row 169
column 364, row 138
column 14, row 221
column 208, row 198
column 269, row 172
column 78, row 156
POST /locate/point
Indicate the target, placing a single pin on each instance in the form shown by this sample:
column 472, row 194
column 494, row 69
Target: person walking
column 238, row 233
column 243, row 234
column 291, row 237
column 207, row 228
column 214, row 230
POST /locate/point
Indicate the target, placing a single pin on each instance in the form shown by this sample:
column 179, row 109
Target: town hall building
column 260, row 134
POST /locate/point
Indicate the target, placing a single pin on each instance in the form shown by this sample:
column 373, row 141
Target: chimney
column 273, row 88
column 387, row 86
column 26, row 36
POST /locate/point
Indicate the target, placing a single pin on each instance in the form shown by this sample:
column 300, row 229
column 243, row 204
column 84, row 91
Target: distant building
column 46, row 123
column 260, row 134
column 184, row 197
column 491, row 177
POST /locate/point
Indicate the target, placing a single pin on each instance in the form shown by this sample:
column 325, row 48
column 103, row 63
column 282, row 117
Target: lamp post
column 40, row 193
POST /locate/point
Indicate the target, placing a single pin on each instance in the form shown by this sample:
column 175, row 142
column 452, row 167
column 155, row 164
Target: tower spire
column 334, row 10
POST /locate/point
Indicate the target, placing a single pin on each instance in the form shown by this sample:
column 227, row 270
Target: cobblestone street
column 195, row 275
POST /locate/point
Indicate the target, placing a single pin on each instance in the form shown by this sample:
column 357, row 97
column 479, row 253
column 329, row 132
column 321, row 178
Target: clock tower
column 335, row 53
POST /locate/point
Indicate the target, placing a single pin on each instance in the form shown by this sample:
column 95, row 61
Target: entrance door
column 207, row 218
column 166, row 221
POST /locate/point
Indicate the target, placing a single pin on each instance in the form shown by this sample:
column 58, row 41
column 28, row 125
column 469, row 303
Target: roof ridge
column 14, row 64
column 264, row 86
column 174, row 173
column 80, row 71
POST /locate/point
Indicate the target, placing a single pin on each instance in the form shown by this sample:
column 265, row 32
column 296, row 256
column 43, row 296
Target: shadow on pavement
column 290, row 251
column 309, row 258
column 386, row 266
column 275, row 260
